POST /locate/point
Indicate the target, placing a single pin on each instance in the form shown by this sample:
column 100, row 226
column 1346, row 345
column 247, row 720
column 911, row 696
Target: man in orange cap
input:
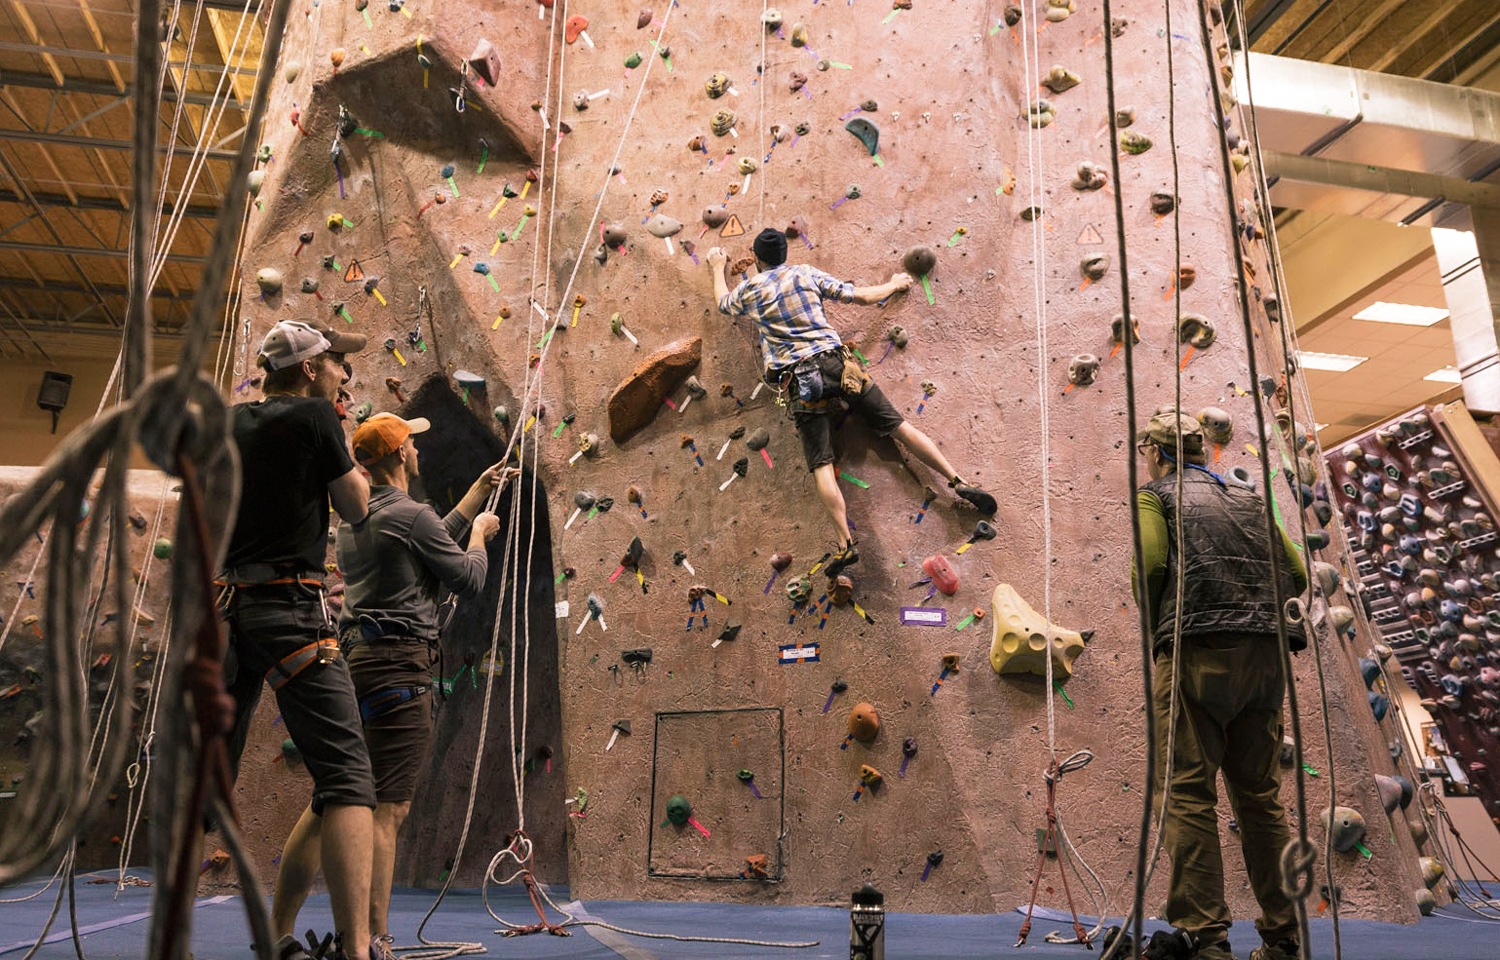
column 395, row 562
column 294, row 462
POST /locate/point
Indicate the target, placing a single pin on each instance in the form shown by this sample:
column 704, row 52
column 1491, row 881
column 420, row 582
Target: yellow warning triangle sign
column 1090, row 235
column 353, row 272
column 733, row 227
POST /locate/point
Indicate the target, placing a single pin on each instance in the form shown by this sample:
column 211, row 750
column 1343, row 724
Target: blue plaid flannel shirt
column 786, row 303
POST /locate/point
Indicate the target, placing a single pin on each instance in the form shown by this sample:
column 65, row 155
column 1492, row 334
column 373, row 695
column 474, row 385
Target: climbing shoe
column 846, row 557
column 981, row 500
column 382, row 947
column 1171, row 945
column 1281, row 950
column 1212, row 951
column 289, row 948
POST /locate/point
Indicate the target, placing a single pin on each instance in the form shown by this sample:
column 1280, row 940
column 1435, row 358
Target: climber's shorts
column 393, row 679
column 815, row 427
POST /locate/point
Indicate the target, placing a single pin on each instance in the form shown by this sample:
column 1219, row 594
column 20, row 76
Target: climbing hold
column 1426, row 902
column 799, row 590
column 336, row 57
column 633, row 61
column 1432, row 870
column 1012, row 15
column 866, row 132
column 663, row 226
column 897, row 336
column 1390, row 792
column 1060, row 78
column 771, row 18
column 1348, row 827
column 1083, row 369
column 581, row 100
column 269, row 280
column 758, row 865
column 1094, row 266
column 940, row 570
column 842, row 591
column 780, row 561
column 799, row 35
column 721, row 123
column 574, row 27
column 748, row 165
column 614, row 235
column 1059, row 10
column 1369, row 671
column 919, row 261
column 1418, row 831
column 1117, row 330
column 1091, row 176
column 797, row 80
column 1163, row 203
column 644, row 18
column 1040, row 113
column 1022, row 639
column 1186, row 275
column 637, row 399
column 678, row 810
column 1134, row 143
column 485, row 62
column 758, row 440
column 715, row 217
column 1379, row 704
column 1124, row 116
column 864, row 722
column 1195, row 329
column 162, row 549
column 717, row 85
column 1218, row 425
column 254, row 180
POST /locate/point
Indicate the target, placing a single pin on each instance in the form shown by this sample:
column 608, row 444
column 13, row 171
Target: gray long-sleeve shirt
column 396, row 560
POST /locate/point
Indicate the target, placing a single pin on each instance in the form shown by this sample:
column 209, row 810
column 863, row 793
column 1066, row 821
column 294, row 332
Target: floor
column 116, row 927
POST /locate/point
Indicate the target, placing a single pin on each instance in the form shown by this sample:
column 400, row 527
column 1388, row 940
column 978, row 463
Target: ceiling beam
column 10, row 46
column 91, row 87
column 1344, row 175
column 93, row 25
column 195, row 211
column 1264, row 18
column 72, row 250
column 108, row 289
column 29, row 25
column 100, row 143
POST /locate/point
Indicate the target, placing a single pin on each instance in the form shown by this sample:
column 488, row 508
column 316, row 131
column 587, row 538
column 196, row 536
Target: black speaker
column 53, row 393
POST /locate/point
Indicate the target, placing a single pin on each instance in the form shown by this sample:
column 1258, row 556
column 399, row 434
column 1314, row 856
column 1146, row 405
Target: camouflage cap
column 1162, row 431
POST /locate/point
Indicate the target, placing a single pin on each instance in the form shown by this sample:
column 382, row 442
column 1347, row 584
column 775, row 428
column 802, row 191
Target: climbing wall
column 541, row 253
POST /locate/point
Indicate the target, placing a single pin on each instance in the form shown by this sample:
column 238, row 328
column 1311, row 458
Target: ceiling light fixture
column 1448, row 374
column 1330, row 362
column 1404, row 313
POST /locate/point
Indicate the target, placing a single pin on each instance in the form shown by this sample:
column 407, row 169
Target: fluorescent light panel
column 1331, row 362
column 1403, row 313
column 1448, row 374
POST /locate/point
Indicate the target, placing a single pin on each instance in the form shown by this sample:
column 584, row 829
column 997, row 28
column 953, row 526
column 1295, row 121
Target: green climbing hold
column 866, row 131
column 1134, row 143
column 633, row 61
column 162, row 549
column 678, row 810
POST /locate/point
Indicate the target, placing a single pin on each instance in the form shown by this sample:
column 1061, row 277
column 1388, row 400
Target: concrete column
column 1471, row 286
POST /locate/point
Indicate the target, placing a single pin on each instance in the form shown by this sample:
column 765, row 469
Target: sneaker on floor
column 980, row 499
column 383, row 947
column 1281, row 950
column 846, row 557
column 1215, row 951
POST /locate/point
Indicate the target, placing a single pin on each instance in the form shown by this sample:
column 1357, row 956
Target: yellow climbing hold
column 1021, row 638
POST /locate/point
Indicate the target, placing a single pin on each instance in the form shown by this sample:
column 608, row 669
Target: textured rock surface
column 958, row 164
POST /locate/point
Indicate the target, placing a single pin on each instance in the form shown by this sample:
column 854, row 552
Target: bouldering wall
column 532, row 240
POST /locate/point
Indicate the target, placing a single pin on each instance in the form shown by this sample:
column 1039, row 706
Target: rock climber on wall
column 808, row 364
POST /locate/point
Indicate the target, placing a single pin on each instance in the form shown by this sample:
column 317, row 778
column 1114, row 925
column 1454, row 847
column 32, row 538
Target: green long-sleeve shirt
column 1156, row 541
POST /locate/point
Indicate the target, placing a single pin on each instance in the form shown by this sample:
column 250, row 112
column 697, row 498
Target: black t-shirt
column 291, row 448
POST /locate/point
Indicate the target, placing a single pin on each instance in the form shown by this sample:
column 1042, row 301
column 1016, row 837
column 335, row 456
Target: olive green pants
column 1229, row 720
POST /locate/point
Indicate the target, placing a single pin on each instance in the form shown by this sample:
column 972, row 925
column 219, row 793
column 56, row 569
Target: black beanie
column 770, row 247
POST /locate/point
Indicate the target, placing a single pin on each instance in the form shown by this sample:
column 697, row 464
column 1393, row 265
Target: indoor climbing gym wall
column 515, row 203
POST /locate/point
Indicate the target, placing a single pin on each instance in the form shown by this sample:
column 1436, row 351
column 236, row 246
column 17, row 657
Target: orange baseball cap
column 383, row 434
